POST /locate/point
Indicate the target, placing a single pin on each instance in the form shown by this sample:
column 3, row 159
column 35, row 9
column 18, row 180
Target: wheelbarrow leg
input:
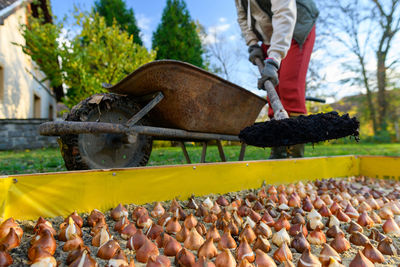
column 221, row 151
column 242, row 152
column 203, row 153
column 185, row 153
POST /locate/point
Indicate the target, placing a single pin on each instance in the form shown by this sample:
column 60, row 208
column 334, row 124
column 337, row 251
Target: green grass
column 50, row 160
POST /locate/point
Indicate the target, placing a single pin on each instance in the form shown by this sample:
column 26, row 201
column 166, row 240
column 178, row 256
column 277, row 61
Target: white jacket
column 276, row 33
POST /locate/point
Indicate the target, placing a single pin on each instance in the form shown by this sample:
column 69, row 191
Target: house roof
column 6, row 3
column 8, row 7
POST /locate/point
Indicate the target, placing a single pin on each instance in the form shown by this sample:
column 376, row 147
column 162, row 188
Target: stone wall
column 23, row 134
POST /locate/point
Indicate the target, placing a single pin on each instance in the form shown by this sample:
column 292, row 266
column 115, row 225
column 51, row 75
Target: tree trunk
column 369, row 95
column 381, row 79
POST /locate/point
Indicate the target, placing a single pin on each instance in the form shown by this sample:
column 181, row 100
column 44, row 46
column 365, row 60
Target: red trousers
column 292, row 76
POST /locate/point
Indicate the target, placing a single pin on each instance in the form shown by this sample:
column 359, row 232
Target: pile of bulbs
column 306, row 225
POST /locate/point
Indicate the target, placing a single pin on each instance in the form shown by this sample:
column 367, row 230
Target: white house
column 22, row 96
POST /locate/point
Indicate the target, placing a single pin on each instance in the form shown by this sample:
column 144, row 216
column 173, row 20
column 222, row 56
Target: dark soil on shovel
column 300, row 130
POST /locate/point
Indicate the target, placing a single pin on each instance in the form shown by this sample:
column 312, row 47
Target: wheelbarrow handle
column 279, row 111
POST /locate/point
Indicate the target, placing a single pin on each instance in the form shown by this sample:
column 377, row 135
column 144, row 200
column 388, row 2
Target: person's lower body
column 292, row 88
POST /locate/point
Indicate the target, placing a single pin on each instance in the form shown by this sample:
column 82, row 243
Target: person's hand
column 255, row 51
column 269, row 72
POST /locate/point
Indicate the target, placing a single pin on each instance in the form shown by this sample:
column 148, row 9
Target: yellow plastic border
column 58, row 194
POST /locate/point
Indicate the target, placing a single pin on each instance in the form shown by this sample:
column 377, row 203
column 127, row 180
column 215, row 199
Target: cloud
column 214, row 32
column 143, row 22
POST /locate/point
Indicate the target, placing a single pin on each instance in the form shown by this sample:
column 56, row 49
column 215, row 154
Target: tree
column 41, row 10
column 176, row 36
column 366, row 29
column 116, row 10
column 97, row 54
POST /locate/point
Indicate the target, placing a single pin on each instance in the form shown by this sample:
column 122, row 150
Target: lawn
column 50, row 160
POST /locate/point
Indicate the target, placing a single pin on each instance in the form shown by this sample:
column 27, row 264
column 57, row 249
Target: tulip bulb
column 333, row 231
column 358, row 239
column 144, row 221
column 5, row 257
column 283, row 253
column 315, row 223
column 244, row 251
column 147, row 250
column 171, row 247
column 213, row 233
column 248, row 233
column 136, row 241
column 73, row 243
column 327, row 253
column 227, row 241
column 128, row 231
column 308, row 260
column 207, row 249
column 225, row 259
column 83, row 260
column 334, row 263
column 361, row 261
column 194, row 240
column 343, row 217
column 172, row 226
column 119, row 212
column 185, row 258
column 351, row 212
column 333, row 221
column 374, row 255
column 376, row 235
column 95, row 217
column 190, row 221
column 222, row 201
column 280, row 237
column 340, row 243
column 262, row 243
column 158, row 261
column 108, row 249
column 263, row 260
column 386, row 213
column 101, row 238
column 316, row 237
column 182, row 234
column 208, row 203
column 386, row 247
column 364, row 220
column 157, row 211
column 298, row 228
column 300, row 243
column 11, row 240
column 7, row 225
column 391, row 227
column 154, row 231
column 45, row 243
column 139, row 212
column 47, row 261
column 354, row 227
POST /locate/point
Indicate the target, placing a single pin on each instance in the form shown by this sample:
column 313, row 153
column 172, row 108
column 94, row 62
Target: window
column 36, row 106
column 51, row 112
column 1, row 83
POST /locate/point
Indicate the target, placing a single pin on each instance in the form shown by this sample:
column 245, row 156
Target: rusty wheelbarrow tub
column 167, row 100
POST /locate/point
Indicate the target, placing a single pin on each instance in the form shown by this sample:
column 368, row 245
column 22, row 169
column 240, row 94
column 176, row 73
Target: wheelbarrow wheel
column 103, row 151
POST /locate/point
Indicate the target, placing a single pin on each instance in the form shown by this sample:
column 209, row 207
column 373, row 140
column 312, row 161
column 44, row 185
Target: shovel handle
column 279, row 111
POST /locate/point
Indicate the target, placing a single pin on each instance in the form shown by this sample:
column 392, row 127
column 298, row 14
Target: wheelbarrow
column 162, row 100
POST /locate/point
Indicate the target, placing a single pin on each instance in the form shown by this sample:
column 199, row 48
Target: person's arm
column 249, row 35
column 283, row 22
